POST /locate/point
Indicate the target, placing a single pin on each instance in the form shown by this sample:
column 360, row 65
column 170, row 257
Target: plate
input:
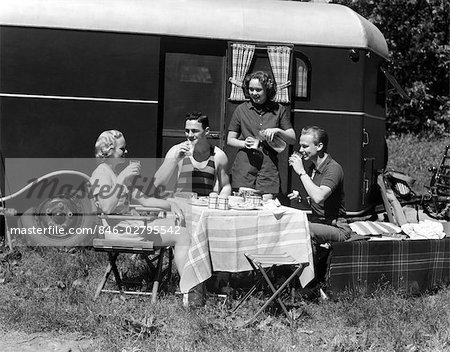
column 242, row 206
column 199, row 202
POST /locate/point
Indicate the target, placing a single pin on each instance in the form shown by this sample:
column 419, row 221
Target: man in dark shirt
column 324, row 183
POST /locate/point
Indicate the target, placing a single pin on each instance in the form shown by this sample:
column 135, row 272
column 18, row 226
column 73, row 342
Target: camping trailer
column 71, row 69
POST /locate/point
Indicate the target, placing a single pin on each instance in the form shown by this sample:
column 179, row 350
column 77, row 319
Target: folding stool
column 258, row 262
column 114, row 247
column 145, row 248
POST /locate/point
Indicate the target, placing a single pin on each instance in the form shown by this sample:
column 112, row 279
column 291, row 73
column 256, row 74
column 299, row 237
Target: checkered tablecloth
column 219, row 239
column 408, row 266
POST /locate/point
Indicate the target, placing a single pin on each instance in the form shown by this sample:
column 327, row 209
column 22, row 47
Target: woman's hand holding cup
column 251, row 143
column 133, row 169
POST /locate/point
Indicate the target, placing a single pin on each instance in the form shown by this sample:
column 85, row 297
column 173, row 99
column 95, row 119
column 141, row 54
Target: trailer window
column 192, row 83
column 248, row 58
column 302, row 78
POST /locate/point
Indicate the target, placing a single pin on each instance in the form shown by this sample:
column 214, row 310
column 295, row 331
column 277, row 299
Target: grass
column 414, row 156
column 52, row 290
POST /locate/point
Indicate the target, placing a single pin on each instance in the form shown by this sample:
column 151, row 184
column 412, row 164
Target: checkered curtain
column 242, row 58
column 279, row 57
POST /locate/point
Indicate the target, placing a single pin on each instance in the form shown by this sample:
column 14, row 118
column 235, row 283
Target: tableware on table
column 235, row 200
column 243, row 190
column 255, row 200
column 222, row 202
column 186, row 195
column 201, row 202
column 242, row 206
column 266, row 197
column 246, row 192
column 212, row 200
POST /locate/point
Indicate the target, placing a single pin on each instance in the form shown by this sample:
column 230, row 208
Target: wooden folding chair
column 258, row 262
column 392, row 206
column 147, row 250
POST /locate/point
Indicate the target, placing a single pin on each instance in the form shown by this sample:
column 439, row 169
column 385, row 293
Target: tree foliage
column 417, row 34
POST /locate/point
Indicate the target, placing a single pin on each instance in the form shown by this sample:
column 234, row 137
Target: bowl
column 235, row 200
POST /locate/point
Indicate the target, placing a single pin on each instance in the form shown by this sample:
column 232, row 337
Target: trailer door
column 193, row 80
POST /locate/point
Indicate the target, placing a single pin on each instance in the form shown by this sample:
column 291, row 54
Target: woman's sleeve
column 285, row 121
column 235, row 123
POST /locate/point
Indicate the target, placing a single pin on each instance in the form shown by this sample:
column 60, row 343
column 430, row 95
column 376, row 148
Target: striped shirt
column 200, row 181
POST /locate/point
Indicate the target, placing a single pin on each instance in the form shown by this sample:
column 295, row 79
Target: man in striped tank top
column 199, row 166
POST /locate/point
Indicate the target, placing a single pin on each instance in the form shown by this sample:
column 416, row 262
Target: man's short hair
column 319, row 135
column 199, row 117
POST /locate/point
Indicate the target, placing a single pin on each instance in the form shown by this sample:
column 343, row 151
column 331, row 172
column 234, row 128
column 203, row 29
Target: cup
column 136, row 162
column 266, row 197
column 190, row 152
column 254, row 200
column 213, row 200
column 222, row 202
column 255, row 144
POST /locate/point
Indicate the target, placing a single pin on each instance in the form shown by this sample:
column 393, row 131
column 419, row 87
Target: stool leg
column 103, row 281
column 112, row 261
column 169, row 272
column 275, row 293
column 158, row 275
column 249, row 293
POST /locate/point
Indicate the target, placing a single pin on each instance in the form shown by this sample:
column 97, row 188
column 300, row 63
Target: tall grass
column 51, row 289
column 413, row 156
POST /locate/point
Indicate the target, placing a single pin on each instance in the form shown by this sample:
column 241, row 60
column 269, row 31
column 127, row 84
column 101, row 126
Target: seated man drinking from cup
column 201, row 167
column 324, row 183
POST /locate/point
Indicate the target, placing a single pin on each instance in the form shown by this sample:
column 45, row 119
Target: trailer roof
column 272, row 21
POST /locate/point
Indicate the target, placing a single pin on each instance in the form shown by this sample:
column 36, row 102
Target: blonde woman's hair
column 106, row 143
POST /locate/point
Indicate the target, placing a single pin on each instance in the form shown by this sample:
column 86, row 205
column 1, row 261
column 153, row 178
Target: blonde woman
column 112, row 192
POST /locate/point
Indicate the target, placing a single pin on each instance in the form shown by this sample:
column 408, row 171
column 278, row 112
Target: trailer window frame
column 300, row 60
